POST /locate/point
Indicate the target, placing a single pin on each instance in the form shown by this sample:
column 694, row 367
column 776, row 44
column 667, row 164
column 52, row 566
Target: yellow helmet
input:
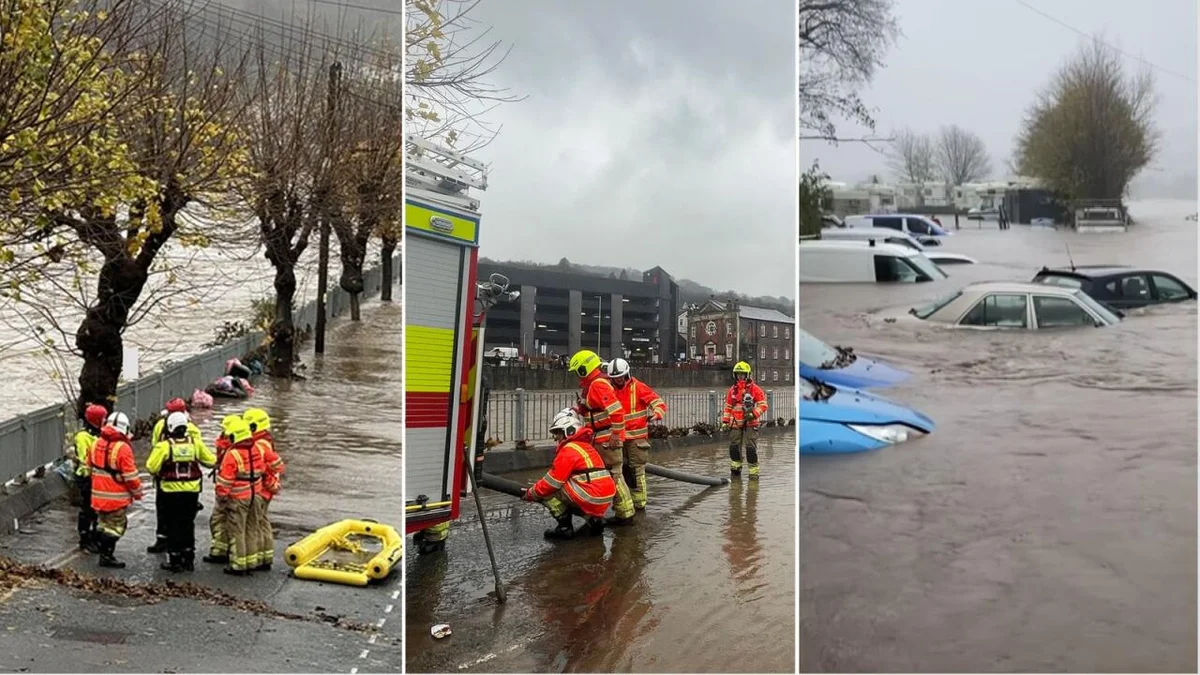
column 235, row 428
column 584, row 363
column 741, row 367
column 258, row 419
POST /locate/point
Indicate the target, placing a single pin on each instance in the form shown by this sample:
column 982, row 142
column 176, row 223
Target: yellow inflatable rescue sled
column 351, row 552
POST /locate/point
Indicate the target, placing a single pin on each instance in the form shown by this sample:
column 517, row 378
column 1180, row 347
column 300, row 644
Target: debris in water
column 13, row 574
column 439, row 631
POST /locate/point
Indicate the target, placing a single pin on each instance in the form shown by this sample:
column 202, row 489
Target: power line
column 347, row 5
column 1093, row 37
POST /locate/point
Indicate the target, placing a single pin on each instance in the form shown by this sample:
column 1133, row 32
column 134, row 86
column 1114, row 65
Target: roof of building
column 763, row 314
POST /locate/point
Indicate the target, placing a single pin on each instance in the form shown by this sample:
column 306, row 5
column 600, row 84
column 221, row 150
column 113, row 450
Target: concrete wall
column 507, row 379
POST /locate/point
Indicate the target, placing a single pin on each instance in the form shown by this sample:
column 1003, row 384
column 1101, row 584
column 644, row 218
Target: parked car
column 882, row 235
column 1014, row 304
column 926, row 231
column 1119, row 286
column 864, row 262
column 837, row 420
column 841, row 366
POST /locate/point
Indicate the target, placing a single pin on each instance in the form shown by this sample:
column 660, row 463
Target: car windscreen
column 1098, row 308
column 929, row 310
column 926, row 267
column 812, row 351
column 1058, row 280
column 807, row 390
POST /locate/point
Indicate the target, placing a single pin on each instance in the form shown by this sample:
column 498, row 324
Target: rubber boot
column 107, row 559
column 174, row 563
column 189, row 560
column 215, row 559
column 88, row 541
column 159, row 546
column 735, row 459
column 617, row 521
column 236, row 573
column 564, row 530
column 594, row 527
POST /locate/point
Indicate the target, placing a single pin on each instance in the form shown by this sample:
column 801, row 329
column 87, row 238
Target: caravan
column 825, row 262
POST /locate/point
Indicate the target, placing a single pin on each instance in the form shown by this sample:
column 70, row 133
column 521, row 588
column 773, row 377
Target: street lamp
column 599, row 316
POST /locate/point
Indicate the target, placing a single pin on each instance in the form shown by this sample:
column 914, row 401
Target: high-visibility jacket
column 600, row 408
column 115, row 482
column 159, row 433
column 734, row 413
column 639, row 404
column 272, row 480
column 243, row 468
column 176, row 464
column 84, row 440
column 580, row 473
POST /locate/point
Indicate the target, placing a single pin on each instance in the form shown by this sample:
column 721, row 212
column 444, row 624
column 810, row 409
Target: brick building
column 725, row 332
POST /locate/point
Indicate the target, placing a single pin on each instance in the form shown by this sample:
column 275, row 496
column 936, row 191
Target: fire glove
column 528, row 495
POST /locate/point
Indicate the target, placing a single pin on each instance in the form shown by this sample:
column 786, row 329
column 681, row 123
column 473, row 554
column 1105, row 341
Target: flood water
column 1048, row 524
column 703, row 582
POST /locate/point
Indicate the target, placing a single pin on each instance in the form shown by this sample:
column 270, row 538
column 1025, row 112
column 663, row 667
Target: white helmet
column 618, row 368
column 177, row 420
column 118, row 421
column 567, row 421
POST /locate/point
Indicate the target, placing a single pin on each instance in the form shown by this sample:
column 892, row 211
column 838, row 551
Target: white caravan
column 832, row 262
column 882, row 235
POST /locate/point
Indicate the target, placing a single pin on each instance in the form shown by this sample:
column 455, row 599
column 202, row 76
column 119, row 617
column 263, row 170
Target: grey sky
column 657, row 133
column 980, row 64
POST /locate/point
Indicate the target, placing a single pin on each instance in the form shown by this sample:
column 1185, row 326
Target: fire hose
column 509, row 487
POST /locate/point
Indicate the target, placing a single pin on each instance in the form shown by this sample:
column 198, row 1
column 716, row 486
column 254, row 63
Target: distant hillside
column 689, row 291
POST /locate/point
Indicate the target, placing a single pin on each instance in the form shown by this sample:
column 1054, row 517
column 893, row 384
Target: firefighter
column 640, row 405
column 600, row 409
column 260, row 430
column 578, row 481
column 433, row 538
column 115, row 485
column 239, row 479
column 85, row 438
column 175, row 464
column 745, row 405
column 218, row 548
column 159, row 434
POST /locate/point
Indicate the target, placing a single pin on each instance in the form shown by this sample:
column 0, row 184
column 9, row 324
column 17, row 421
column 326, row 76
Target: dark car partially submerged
column 1119, row 286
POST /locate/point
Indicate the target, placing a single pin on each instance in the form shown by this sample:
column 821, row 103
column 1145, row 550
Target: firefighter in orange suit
column 260, row 429
column 239, row 479
column 640, row 405
column 577, row 482
column 601, row 411
column 115, row 485
column 218, row 547
column 745, row 406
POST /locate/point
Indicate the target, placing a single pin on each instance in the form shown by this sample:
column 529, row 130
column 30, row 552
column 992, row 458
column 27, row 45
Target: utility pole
column 335, row 74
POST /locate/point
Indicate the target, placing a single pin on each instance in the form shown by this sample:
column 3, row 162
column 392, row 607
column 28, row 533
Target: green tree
column 1092, row 130
column 814, row 192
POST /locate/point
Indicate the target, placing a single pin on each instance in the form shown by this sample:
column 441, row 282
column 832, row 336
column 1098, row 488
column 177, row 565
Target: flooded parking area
column 1048, row 524
column 702, row 582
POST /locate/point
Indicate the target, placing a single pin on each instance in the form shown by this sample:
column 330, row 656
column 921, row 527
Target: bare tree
column 841, row 44
column 911, row 157
column 960, row 156
column 1092, row 130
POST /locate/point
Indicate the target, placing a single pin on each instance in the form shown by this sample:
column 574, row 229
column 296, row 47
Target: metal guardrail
column 38, row 438
column 525, row 415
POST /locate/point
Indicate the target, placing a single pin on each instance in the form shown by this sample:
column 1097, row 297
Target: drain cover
column 100, row 637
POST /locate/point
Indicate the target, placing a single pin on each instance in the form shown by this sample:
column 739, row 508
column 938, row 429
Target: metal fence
column 38, row 438
column 525, row 415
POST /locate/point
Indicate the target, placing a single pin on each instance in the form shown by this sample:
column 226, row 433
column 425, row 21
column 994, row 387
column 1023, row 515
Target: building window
column 692, row 351
column 692, row 332
column 775, row 353
column 787, row 354
column 775, row 375
column 711, row 328
column 762, row 329
column 787, row 332
column 728, row 329
column 787, row 376
column 762, row 352
column 775, row 331
column 729, row 350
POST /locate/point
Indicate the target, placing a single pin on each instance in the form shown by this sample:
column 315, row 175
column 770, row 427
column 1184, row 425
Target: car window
column 889, row 223
column 813, row 352
column 1002, row 310
column 927, row 268
column 1169, row 289
column 1135, row 287
column 917, row 226
column 930, row 309
column 1099, row 309
column 889, row 269
column 1113, row 289
column 1053, row 312
column 1059, row 280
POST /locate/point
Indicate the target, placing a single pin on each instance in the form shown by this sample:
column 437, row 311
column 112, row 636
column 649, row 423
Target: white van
column 925, row 230
column 885, row 236
column 833, row 262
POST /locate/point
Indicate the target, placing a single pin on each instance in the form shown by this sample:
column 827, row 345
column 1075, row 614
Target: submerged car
column 837, row 421
column 1013, row 304
column 886, row 236
column 1119, row 286
column 841, row 366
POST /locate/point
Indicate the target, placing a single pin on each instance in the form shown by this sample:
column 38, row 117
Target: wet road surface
column 1049, row 522
column 703, row 582
column 339, row 433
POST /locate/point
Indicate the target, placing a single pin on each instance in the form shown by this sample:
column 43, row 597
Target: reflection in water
column 702, row 583
column 1049, row 523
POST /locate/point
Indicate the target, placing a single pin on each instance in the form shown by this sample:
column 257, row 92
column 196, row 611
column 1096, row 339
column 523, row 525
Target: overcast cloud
column 980, row 64
column 657, row 133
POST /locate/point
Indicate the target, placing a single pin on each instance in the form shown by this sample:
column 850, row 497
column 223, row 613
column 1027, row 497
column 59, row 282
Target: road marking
column 364, row 653
column 389, row 609
column 381, row 622
column 395, row 595
column 371, row 640
column 353, row 671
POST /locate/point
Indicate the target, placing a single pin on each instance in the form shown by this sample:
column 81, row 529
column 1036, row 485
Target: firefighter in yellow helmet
column 260, row 428
column 601, row 410
column 745, row 405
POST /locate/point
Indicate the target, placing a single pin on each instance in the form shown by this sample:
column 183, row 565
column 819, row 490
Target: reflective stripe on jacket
column 579, row 472
column 734, row 414
column 115, row 482
column 601, row 408
column 241, row 473
column 84, row 440
column 640, row 404
column 176, row 463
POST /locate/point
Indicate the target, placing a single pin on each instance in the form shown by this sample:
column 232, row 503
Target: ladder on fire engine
column 442, row 175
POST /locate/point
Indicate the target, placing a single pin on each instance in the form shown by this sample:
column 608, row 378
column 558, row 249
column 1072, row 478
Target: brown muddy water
column 703, row 582
column 1049, row 522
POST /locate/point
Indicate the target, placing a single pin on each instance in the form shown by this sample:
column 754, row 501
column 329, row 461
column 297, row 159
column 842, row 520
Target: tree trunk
column 99, row 335
column 281, row 358
column 389, row 250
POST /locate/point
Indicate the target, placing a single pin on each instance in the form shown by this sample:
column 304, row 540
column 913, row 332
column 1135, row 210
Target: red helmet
column 94, row 415
column 176, row 405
